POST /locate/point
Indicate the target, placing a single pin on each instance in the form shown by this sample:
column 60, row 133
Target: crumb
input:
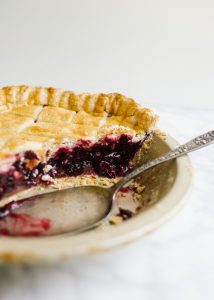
column 138, row 188
column 116, row 220
column 122, row 215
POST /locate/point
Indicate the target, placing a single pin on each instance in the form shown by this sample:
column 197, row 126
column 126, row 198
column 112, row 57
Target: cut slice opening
column 110, row 157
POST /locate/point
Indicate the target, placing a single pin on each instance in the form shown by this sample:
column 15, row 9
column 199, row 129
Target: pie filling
column 110, row 157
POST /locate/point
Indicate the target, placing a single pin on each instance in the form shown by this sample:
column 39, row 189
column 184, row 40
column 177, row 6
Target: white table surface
column 174, row 262
column 157, row 50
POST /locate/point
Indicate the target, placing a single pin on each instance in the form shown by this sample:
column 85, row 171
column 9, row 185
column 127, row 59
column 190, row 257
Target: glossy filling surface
column 109, row 158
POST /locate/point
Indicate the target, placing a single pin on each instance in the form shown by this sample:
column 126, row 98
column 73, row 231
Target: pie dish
column 170, row 190
column 53, row 139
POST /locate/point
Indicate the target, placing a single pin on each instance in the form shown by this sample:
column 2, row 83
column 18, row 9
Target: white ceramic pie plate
column 170, row 188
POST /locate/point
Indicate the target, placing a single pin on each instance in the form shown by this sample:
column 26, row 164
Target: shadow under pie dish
column 54, row 139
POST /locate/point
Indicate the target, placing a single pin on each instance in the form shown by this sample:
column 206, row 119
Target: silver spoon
column 92, row 206
column 109, row 194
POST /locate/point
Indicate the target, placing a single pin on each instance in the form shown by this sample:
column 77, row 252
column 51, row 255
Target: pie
column 53, row 139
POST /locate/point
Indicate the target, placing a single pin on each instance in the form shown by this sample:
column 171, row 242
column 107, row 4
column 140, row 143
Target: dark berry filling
column 23, row 172
column 109, row 157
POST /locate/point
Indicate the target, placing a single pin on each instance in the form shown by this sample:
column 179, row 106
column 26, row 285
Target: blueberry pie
column 52, row 139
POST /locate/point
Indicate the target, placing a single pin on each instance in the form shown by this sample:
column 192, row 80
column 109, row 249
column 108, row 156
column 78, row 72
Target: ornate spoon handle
column 195, row 144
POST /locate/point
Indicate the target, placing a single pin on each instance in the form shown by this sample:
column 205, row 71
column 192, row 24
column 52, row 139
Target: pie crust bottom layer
column 103, row 162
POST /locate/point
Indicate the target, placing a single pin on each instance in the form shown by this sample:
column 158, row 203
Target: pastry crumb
column 116, row 220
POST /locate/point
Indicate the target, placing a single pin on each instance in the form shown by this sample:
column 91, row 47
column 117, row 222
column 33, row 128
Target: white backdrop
column 157, row 51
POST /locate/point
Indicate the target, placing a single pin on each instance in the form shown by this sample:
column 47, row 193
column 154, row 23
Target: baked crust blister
column 38, row 118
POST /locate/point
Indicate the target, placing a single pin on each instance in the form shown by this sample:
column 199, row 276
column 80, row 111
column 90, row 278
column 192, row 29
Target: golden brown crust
column 57, row 114
column 113, row 104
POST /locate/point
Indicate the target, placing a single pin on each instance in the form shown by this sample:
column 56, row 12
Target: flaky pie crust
column 37, row 116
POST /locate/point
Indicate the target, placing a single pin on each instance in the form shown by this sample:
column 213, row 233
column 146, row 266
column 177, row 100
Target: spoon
column 109, row 195
column 92, row 206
